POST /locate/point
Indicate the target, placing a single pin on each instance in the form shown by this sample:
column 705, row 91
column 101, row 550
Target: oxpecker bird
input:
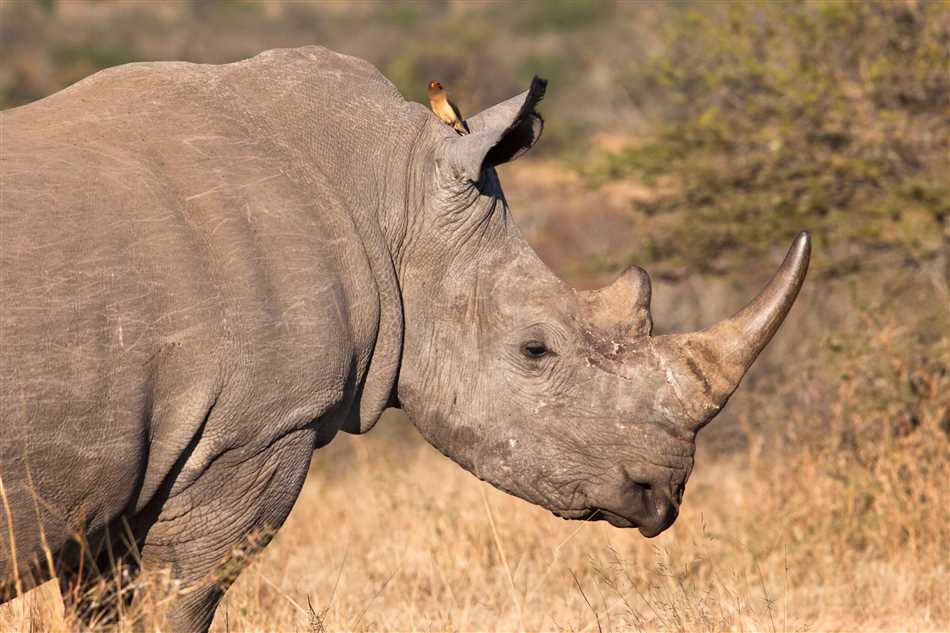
column 444, row 108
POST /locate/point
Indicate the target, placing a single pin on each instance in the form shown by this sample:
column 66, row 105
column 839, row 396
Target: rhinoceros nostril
column 643, row 490
column 642, row 486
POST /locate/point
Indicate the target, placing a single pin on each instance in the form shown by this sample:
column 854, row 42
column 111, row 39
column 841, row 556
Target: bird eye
column 535, row 349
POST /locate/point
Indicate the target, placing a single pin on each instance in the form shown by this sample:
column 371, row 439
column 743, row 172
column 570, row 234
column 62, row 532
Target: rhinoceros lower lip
column 596, row 514
column 614, row 519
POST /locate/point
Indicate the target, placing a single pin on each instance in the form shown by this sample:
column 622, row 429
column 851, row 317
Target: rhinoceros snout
column 659, row 505
column 660, row 511
column 647, row 506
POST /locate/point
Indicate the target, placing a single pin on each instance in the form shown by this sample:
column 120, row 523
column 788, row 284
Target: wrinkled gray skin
column 208, row 271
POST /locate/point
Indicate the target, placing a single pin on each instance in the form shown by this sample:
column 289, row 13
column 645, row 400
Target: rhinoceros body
column 209, row 271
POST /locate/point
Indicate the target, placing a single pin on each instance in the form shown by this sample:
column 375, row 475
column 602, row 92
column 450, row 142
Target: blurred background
column 694, row 139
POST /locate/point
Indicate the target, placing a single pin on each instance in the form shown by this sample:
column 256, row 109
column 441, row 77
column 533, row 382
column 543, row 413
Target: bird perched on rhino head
column 445, row 108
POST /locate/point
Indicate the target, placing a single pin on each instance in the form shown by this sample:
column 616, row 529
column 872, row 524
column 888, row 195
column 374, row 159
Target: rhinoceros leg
column 204, row 534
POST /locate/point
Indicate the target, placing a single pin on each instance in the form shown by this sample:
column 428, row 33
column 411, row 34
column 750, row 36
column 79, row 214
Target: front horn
column 720, row 355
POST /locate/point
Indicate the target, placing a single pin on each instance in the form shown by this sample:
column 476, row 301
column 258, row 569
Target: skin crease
column 209, row 271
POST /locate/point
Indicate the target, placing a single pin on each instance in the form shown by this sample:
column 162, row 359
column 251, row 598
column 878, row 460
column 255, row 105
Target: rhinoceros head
column 563, row 398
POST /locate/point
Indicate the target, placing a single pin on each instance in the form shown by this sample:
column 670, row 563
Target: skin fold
column 209, row 271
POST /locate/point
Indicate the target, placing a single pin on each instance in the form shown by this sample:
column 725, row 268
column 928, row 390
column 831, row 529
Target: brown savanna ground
column 820, row 498
column 834, row 519
column 394, row 537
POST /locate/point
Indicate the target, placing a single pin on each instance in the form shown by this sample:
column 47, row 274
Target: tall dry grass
column 819, row 500
column 843, row 529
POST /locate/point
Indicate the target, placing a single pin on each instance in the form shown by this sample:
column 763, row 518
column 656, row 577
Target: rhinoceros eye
column 535, row 349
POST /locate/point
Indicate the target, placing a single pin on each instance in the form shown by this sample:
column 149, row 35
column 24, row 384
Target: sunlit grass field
column 388, row 535
column 691, row 138
column 819, row 500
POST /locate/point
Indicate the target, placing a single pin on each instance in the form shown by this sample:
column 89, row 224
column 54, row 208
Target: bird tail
column 461, row 127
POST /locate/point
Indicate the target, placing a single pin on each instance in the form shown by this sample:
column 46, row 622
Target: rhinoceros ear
column 499, row 134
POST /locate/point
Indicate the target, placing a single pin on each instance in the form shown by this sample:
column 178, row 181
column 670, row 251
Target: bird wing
column 455, row 110
column 444, row 110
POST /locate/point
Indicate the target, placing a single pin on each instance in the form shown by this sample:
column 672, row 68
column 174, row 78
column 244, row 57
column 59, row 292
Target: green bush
column 768, row 118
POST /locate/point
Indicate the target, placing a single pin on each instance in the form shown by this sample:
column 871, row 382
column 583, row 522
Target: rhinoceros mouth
column 614, row 519
column 596, row 514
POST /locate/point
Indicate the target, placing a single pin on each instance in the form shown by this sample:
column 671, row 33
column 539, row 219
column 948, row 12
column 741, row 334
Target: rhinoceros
column 208, row 271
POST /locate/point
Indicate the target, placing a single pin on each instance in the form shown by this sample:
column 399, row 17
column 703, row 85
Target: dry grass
column 829, row 511
column 833, row 514
column 390, row 536
column 835, row 518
